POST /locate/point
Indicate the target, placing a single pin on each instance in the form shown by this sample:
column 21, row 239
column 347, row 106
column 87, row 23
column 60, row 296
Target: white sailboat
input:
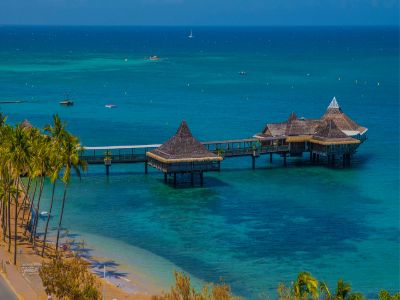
column 190, row 36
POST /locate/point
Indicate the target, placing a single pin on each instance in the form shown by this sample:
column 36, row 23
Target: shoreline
column 24, row 280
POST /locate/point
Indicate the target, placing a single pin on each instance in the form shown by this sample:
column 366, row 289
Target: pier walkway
column 251, row 147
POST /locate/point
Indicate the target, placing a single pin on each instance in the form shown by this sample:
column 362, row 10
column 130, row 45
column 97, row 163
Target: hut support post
column 192, row 178
column 145, row 167
column 253, row 161
column 284, row 159
column 348, row 159
column 165, row 177
column 201, row 179
column 270, row 157
column 317, row 157
column 174, row 179
column 333, row 159
column 311, row 156
column 107, row 170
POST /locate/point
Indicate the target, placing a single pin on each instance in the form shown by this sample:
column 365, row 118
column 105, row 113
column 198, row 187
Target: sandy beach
column 25, row 281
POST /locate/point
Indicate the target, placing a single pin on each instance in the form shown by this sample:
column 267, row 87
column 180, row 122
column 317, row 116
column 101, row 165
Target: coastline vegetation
column 69, row 279
column 51, row 153
column 305, row 287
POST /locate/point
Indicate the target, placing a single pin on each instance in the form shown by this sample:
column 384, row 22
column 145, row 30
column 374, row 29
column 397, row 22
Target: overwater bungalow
column 334, row 135
column 183, row 155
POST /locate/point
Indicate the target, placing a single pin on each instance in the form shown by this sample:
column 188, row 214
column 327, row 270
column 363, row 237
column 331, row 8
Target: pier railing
column 137, row 153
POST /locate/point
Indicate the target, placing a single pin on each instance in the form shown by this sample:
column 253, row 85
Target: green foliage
column 306, row 287
column 356, row 296
column 182, row 290
column 385, row 295
column 69, row 279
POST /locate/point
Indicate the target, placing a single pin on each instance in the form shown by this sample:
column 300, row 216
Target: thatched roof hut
column 303, row 130
column 328, row 133
column 343, row 122
column 183, row 154
column 182, row 147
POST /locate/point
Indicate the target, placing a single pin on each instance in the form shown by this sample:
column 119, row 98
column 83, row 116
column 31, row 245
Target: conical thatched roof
column 329, row 133
column 182, row 147
column 343, row 122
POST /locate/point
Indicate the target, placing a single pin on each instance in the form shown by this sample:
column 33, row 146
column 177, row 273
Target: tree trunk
column 36, row 221
column 3, row 211
column 3, row 216
column 9, row 220
column 30, row 208
column 61, row 215
column 23, row 206
column 16, row 223
column 48, row 218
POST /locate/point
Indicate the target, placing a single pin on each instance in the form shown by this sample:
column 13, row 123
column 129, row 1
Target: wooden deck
column 137, row 153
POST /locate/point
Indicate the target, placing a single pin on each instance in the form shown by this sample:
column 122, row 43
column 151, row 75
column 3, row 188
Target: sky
column 200, row 12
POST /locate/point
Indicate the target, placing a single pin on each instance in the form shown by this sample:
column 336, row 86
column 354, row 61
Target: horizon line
column 200, row 25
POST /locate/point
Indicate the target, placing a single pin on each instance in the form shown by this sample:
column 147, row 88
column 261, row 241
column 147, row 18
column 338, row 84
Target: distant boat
column 242, row 73
column 190, row 36
column 66, row 101
column 110, row 105
column 154, row 57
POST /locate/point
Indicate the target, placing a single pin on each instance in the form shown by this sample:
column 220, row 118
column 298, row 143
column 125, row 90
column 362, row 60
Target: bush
column 69, row 279
column 182, row 290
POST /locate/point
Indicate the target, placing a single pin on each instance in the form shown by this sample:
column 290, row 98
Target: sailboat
column 190, row 36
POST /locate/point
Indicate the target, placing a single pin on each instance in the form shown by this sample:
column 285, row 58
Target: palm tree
column 40, row 167
column 325, row 290
column 33, row 135
column 6, row 134
column 57, row 132
column 70, row 153
column 305, row 285
column 342, row 290
column 19, row 154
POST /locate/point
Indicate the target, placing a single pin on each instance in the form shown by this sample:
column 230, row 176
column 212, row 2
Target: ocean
column 253, row 228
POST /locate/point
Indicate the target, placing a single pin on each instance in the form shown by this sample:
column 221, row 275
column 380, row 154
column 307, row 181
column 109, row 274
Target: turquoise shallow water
column 253, row 228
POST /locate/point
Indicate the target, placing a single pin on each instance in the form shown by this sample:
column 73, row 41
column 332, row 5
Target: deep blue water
column 253, row 228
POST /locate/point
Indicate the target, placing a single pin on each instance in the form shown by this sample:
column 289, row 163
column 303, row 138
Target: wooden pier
column 331, row 138
column 251, row 147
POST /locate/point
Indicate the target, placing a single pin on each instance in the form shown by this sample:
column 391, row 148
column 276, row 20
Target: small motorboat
column 154, row 58
column 44, row 213
column 66, row 103
column 110, row 106
column 242, row 73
